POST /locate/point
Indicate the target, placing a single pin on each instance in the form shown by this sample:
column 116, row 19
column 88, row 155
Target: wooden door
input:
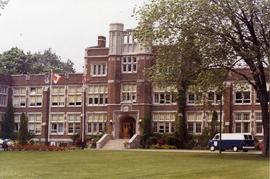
column 125, row 129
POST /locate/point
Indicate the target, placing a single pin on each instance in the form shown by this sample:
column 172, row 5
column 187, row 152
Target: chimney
column 101, row 41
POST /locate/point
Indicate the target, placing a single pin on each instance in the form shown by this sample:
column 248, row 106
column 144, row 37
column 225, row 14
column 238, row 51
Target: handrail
column 103, row 140
column 134, row 142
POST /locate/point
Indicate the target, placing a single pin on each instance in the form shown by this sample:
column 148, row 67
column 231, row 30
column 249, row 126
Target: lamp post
column 220, row 124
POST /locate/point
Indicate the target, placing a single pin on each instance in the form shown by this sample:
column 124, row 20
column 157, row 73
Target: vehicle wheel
column 212, row 148
column 245, row 150
column 235, row 149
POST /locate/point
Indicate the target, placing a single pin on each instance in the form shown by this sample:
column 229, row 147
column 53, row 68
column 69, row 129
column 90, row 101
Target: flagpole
column 50, row 110
column 83, row 109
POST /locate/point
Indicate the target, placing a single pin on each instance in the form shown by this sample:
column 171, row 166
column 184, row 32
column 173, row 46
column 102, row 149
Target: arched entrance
column 127, row 127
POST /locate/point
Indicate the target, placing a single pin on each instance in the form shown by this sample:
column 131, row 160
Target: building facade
column 113, row 96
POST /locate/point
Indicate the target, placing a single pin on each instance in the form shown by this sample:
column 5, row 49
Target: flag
column 55, row 77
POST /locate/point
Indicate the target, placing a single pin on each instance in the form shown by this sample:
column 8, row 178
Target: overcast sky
column 66, row 26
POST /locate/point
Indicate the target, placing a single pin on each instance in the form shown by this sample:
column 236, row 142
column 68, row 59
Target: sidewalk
column 190, row 151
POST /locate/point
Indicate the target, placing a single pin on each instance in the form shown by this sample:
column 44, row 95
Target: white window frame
column 36, row 95
column 36, row 123
column 20, row 96
column 95, row 122
column 197, row 119
column 163, row 118
column 215, row 101
column 96, row 93
column 99, row 69
column 125, row 63
column 241, row 121
column 171, row 101
column 57, row 123
column 128, row 94
column 17, row 122
column 58, row 94
column 4, row 95
column 242, row 88
column 257, row 121
column 77, row 94
column 74, row 122
column 196, row 101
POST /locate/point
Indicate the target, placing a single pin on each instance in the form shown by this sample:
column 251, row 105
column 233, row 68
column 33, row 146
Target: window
column 164, row 98
column 35, row 96
column 258, row 123
column 242, row 97
column 58, row 96
column 242, row 122
column 3, row 96
column 129, row 92
column 213, row 97
column 209, row 120
column 129, row 64
column 34, row 123
column 163, row 122
column 2, row 115
column 17, row 119
column 194, row 122
column 242, row 93
column 193, row 98
column 97, row 95
column 19, row 97
column 99, row 69
column 74, row 123
column 96, row 123
column 57, row 124
column 74, row 96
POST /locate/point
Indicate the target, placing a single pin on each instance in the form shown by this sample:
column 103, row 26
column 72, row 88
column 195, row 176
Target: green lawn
column 131, row 164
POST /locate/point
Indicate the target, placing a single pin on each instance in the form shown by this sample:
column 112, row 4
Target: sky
column 65, row 26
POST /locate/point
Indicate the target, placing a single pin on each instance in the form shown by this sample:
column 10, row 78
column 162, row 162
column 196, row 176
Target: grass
column 131, row 164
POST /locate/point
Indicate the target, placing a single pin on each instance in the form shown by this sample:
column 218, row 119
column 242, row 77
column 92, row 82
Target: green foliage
column 202, row 140
column 146, row 132
column 221, row 35
column 24, row 135
column 214, row 123
column 15, row 61
column 8, row 123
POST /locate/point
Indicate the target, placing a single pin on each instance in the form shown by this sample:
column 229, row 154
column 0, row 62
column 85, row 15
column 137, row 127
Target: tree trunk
column 263, row 96
column 181, row 111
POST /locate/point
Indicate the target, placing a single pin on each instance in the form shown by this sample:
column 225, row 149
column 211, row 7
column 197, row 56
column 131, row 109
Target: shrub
column 156, row 146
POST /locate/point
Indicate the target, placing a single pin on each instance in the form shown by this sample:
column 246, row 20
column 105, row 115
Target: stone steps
column 115, row 144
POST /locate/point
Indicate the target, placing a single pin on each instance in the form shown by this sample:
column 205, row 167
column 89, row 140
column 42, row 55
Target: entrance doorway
column 127, row 127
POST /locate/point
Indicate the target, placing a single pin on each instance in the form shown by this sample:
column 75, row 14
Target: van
column 232, row 141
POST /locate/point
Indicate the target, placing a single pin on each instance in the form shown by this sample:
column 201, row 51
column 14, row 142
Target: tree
column 48, row 60
column 146, row 132
column 8, row 123
column 226, row 34
column 15, row 61
column 176, row 57
column 3, row 4
column 24, row 135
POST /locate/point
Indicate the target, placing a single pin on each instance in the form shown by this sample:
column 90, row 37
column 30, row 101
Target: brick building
column 115, row 97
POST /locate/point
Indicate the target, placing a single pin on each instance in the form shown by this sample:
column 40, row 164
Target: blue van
column 232, row 141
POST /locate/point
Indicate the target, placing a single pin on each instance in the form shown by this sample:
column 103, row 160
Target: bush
column 156, row 146
column 91, row 140
column 36, row 147
column 160, row 140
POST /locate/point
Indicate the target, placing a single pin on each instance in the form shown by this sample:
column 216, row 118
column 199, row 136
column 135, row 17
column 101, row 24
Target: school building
column 113, row 97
